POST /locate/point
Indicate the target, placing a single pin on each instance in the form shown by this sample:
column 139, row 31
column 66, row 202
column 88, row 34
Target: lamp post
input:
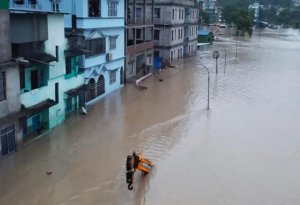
column 225, row 63
column 236, row 48
column 208, row 79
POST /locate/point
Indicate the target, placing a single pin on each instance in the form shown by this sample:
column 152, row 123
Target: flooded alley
column 244, row 150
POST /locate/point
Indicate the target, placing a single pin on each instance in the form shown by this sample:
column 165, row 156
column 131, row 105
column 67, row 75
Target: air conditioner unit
column 109, row 56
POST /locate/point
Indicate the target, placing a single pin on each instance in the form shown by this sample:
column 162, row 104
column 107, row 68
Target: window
column 19, row 1
column 112, row 8
column 138, row 14
column 22, row 76
column 156, row 12
column 179, row 30
column 173, row 14
column 172, row 35
column 94, row 8
column 171, row 55
column 55, row 5
column 149, row 60
column 175, row 34
column 95, row 46
column 130, row 68
column 112, row 42
column 68, row 65
column 2, row 86
column 139, row 34
column 156, row 34
column 112, row 77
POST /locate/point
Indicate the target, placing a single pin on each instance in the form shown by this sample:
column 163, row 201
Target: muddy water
column 244, row 150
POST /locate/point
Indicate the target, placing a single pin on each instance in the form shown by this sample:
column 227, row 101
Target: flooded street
column 245, row 150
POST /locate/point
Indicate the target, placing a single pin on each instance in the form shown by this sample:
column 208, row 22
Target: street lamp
column 225, row 63
column 208, row 79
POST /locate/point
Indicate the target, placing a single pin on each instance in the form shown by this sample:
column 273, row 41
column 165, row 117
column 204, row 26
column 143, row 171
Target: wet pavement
column 244, row 150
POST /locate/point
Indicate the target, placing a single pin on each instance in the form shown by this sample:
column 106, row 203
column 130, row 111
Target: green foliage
column 289, row 17
column 269, row 15
column 236, row 12
column 238, row 3
column 280, row 3
column 243, row 21
column 203, row 17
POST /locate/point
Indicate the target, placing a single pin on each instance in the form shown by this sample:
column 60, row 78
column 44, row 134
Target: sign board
column 216, row 54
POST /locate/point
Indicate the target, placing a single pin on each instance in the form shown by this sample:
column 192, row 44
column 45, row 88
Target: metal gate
column 100, row 85
column 90, row 94
column 8, row 140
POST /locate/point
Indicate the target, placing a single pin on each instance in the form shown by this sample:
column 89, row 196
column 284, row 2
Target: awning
column 40, row 58
column 76, row 52
column 76, row 91
column 30, row 111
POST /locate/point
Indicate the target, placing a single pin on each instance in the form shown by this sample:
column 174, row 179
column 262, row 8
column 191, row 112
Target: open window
column 94, row 8
column 19, row 1
column 2, row 86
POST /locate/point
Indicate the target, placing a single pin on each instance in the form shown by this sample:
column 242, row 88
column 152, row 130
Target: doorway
column 8, row 140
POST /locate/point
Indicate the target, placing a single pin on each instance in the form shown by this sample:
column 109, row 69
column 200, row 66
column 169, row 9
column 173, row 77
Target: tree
column 203, row 17
column 236, row 12
column 243, row 22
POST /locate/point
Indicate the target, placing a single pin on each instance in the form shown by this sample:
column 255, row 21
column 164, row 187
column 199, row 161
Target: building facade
column 176, row 26
column 211, row 7
column 10, row 103
column 139, row 37
column 50, row 81
column 101, row 25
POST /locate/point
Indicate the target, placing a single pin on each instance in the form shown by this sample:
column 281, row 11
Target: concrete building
column 101, row 24
column 10, row 104
column 176, row 26
column 139, row 37
column 50, row 79
column 211, row 7
column 255, row 9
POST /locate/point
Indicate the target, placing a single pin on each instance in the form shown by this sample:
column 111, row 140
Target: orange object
column 134, row 162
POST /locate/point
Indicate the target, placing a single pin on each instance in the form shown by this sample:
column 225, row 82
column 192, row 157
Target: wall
column 5, row 51
column 12, row 103
column 28, row 28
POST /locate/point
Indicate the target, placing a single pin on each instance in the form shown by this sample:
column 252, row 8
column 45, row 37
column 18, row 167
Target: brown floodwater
column 245, row 150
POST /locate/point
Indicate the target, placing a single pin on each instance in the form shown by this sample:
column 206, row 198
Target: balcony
column 98, row 22
column 36, row 96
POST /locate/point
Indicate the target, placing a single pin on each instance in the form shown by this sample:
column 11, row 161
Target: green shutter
column 3, row 4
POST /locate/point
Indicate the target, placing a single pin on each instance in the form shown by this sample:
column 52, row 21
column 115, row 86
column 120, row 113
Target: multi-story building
column 51, row 82
column 176, row 26
column 101, row 25
column 139, row 37
column 10, row 104
column 211, row 7
column 255, row 9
